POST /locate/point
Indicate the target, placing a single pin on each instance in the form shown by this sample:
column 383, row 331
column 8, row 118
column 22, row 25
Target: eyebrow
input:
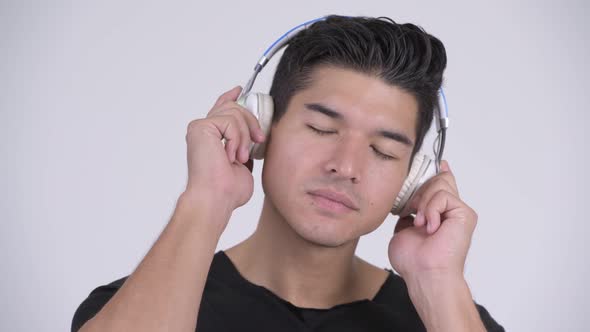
column 393, row 135
column 399, row 137
column 324, row 110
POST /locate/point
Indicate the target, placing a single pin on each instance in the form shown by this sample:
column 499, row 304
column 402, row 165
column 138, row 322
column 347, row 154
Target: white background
column 95, row 98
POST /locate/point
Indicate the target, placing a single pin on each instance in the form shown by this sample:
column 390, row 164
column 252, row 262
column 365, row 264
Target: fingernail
column 415, row 221
column 419, row 217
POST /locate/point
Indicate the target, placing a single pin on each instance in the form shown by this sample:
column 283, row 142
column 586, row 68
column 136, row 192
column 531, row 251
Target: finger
column 229, row 95
column 433, row 211
column 229, row 129
column 245, row 139
column 440, row 204
column 419, row 221
column 422, row 201
column 424, row 194
column 432, row 185
column 255, row 131
column 241, row 116
column 448, row 175
column 230, row 150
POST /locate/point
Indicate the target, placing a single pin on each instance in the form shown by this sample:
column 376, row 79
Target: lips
column 336, row 197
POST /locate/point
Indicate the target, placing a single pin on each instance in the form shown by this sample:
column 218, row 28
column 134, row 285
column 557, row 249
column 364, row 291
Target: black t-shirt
column 232, row 303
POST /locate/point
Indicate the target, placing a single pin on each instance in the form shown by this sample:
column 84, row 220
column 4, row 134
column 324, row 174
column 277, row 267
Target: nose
column 347, row 159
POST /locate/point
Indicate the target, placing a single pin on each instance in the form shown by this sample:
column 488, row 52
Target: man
column 354, row 98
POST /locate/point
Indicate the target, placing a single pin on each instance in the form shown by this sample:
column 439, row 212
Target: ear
column 422, row 170
column 262, row 106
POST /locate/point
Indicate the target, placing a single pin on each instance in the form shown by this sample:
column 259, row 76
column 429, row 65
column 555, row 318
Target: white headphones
column 262, row 106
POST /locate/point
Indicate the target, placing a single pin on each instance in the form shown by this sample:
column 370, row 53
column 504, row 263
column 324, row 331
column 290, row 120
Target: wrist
column 425, row 279
column 444, row 302
column 203, row 211
column 434, row 285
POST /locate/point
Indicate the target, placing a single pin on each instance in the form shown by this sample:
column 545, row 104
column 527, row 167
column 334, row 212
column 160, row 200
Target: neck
column 306, row 274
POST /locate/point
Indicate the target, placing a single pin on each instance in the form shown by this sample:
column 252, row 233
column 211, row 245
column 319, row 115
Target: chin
column 323, row 233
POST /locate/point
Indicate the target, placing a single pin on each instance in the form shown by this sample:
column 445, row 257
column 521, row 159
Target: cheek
column 281, row 165
column 291, row 151
column 383, row 188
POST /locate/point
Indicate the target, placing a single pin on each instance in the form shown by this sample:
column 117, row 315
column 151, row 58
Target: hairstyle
column 402, row 55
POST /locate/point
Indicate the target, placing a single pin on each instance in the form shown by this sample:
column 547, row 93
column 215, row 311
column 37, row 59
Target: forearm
column 445, row 304
column 164, row 292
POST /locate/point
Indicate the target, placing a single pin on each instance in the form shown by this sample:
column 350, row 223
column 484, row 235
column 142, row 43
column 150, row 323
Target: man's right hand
column 166, row 288
column 217, row 170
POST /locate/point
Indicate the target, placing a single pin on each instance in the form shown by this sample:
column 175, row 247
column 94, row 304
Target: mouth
column 333, row 201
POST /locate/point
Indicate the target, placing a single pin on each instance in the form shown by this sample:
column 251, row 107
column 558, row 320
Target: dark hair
column 402, row 55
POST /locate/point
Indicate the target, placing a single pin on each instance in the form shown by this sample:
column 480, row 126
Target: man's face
column 336, row 159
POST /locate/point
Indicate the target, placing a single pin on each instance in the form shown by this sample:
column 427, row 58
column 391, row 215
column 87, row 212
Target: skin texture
column 301, row 160
column 303, row 242
column 299, row 245
column 306, row 237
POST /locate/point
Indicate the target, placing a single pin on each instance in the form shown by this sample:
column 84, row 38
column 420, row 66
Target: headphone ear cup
column 262, row 106
column 422, row 169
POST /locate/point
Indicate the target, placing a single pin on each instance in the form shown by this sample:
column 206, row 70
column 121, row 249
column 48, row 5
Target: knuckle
column 434, row 185
column 234, row 113
column 232, row 125
column 215, row 109
column 220, row 107
column 431, row 212
column 242, row 117
column 440, row 194
column 469, row 217
column 191, row 129
column 439, row 179
column 239, row 126
column 244, row 126
column 447, row 176
column 441, row 182
column 248, row 114
column 244, row 114
column 193, row 124
column 474, row 215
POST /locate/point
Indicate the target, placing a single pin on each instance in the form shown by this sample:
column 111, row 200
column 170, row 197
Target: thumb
column 444, row 166
column 230, row 95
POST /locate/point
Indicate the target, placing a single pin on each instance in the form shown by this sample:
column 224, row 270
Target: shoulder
column 101, row 295
column 94, row 302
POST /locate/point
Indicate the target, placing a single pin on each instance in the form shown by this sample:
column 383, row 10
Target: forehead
column 361, row 98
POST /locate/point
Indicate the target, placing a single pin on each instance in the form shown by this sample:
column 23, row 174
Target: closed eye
column 378, row 153
column 382, row 155
column 321, row 132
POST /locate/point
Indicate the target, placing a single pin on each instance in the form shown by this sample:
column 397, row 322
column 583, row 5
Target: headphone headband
column 442, row 116
column 276, row 46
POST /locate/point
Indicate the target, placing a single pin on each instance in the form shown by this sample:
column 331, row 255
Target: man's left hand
column 436, row 241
